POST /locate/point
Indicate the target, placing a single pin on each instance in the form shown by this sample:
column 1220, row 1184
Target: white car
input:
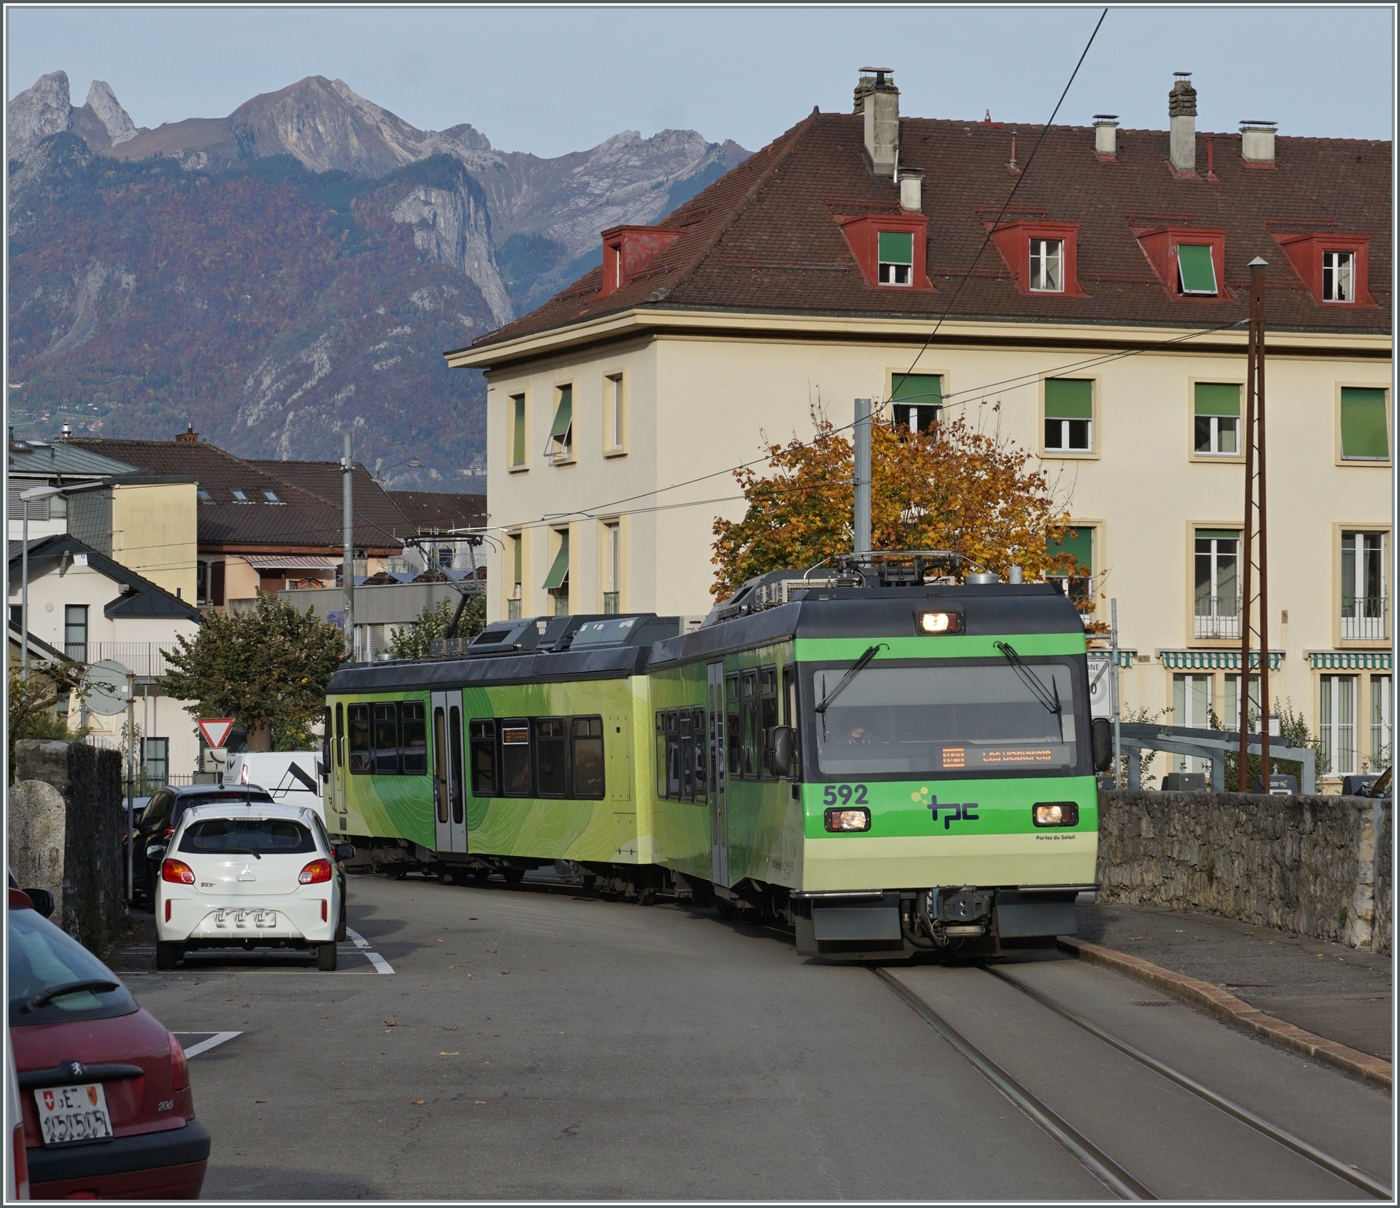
column 250, row 875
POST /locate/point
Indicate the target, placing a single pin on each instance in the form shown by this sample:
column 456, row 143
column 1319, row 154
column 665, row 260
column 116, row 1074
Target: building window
column 1339, row 276
column 1078, row 585
column 444, row 557
column 1364, row 602
column 1231, row 720
column 917, row 399
column 1338, row 724
column 515, row 554
column 1217, row 583
column 517, row 431
column 896, row 258
column 1217, row 419
column 1047, row 266
column 1195, row 269
column 561, row 433
column 239, row 496
column 204, row 495
column 1069, row 415
column 271, row 497
column 557, row 581
column 615, row 431
column 157, row 762
column 75, row 632
column 1191, row 706
column 1365, row 427
column 201, row 582
column 613, row 595
column 1380, row 721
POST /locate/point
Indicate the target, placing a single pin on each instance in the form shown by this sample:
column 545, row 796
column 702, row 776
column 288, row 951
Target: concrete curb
column 1226, row 1006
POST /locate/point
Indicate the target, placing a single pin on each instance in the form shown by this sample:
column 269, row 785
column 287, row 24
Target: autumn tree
column 950, row 487
column 267, row 667
column 33, row 701
column 415, row 641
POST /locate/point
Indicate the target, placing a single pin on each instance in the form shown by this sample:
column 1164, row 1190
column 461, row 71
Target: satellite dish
column 108, row 687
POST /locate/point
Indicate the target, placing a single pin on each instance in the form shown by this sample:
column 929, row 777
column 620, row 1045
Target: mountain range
column 297, row 266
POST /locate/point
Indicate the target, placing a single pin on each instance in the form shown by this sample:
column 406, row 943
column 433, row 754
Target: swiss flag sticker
column 48, row 1100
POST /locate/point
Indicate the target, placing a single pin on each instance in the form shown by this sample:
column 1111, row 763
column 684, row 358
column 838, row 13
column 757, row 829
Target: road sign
column 215, row 730
column 1100, row 684
column 108, row 687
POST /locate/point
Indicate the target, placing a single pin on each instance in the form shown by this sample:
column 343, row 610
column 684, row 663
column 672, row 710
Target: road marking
column 379, row 963
column 204, row 1046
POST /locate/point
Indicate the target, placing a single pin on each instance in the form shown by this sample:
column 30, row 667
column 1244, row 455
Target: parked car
column 161, row 816
column 251, row 876
column 16, row 1161
column 108, row 1111
column 291, row 777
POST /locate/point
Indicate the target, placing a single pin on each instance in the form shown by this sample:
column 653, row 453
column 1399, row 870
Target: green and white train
column 888, row 763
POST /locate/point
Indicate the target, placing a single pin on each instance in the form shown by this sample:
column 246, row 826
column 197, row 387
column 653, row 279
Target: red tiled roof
column 373, row 506
column 764, row 236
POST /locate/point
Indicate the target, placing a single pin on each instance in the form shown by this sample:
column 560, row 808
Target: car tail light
column 21, row 1161
column 315, row 872
column 167, row 832
column 177, row 872
column 179, row 1067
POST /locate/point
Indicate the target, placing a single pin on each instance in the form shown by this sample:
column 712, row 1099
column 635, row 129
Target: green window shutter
column 1069, row 398
column 519, row 543
column 560, row 570
column 896, row 247
column 923, row 389
column 564, row 416
column 1197, row 268
column 1218, row 398
column 1076, row 541
column 518, row 435
column 1364, row 423
column 1217, row 534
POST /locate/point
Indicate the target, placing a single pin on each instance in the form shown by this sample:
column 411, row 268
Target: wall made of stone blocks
column 1317, row 866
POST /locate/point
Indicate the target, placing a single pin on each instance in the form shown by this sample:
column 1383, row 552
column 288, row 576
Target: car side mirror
column 43, row 901
column 344, row 851
column 782, row 750
column 1102, row 734
column 155, row 851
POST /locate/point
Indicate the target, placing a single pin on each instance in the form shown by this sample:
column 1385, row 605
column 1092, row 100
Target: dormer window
column 1338, row 276
column 1047, row 266
column 1189, row 261
column 1195, row 269
column 896, row 263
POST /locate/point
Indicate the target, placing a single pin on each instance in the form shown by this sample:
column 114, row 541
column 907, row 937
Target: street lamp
column 44, row 492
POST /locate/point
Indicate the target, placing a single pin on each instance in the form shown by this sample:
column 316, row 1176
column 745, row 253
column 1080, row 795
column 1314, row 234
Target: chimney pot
column 1106, row 135
column 911, row 189
column 878, row 99
column 188, row 437
column 1181, row 107
column 1257, row 141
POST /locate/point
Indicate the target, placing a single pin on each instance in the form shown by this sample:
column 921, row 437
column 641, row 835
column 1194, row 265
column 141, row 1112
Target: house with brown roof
column 1096, row 316
column 443, row 522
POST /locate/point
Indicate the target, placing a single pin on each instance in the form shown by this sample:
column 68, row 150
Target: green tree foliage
column 33, row 712
column 267, row 667
column 415, row 641
column 1293, row 729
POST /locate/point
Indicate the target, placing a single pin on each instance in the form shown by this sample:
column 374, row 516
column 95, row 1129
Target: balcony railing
column 610, row 602
column 1218, row 617
column 143, row 659
column 1365, row 618
column 512, row 610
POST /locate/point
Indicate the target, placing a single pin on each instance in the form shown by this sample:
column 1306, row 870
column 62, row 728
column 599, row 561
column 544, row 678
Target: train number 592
column 844, row 794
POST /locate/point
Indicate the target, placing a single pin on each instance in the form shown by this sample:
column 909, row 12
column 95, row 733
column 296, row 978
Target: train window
column 386, row 737
column 791, row 715
column 588, row 756
column 751, row 737
column 483, row 748
column 673, row 757
column 413, row 722
column 515, row 756
column 440, row 762
column 551, row 757
column 767, row 715
column 361, row 761
column 455, row 738
column 685, row 757
column 661, row 754
column 340, row 736
column 734, row 734
column 699, row 754
column 327, row 739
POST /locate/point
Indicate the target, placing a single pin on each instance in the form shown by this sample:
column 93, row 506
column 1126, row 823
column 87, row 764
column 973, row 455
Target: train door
column 717, row 783
column 449, row 803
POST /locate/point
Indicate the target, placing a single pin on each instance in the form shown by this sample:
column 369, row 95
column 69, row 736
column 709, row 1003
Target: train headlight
column 1056, row 813
column 839, row 819
column 940, row 622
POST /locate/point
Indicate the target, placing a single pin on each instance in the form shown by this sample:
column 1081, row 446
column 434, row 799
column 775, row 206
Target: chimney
column 67, row 433
column 1106, row 135
column 1257, row 143
column 879, row 101
column 188, row 437
column 1181, row 105
column 911, row 189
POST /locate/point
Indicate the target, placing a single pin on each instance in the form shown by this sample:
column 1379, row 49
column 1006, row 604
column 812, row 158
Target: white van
column 290, row 777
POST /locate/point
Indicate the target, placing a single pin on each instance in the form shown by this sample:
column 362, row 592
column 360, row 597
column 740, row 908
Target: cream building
column 1101, row 328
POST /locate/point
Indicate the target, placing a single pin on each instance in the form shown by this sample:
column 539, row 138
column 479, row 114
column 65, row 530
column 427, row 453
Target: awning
column 563, row 418
column 289, row 562
column 559, row 572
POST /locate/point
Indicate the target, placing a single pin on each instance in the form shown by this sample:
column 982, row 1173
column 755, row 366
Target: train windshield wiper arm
column 859, row 666
column 1049, row 697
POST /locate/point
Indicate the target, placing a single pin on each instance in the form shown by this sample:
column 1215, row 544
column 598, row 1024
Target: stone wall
column 65, row 824
column 1310, row 865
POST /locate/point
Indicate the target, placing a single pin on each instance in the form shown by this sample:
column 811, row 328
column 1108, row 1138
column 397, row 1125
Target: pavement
column 1336, row 992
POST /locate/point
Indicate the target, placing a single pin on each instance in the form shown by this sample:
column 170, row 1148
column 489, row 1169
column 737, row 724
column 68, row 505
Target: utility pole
column 347, row 471
column 1113, row 685
column 1255, row 534
column 24, row 596
column 861, row 533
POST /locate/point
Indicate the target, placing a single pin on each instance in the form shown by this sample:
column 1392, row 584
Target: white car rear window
column 244, row 836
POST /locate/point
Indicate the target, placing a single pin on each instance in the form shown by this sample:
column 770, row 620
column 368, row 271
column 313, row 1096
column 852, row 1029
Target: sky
column 554, row 80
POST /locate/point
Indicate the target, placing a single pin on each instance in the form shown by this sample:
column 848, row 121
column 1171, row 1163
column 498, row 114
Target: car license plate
column 265, row 918
column 242, row 918
column 69, row 1114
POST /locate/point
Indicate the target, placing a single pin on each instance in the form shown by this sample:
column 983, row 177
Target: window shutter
column 1364, row 432
column 1080, row 544
column 1197, row 268
column 896, row 247
column 1069, row 398
column 1217, row 398
column 564, row 416
column 518, row 436
column 560, row 570
column 921, row 389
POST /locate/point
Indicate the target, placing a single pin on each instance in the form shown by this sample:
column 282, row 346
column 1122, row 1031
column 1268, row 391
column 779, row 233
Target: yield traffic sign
column 215, row 730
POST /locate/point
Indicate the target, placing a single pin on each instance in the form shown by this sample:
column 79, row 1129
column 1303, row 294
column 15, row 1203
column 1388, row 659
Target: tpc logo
column 952, row 812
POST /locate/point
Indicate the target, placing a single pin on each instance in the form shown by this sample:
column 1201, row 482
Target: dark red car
column 108, row 1110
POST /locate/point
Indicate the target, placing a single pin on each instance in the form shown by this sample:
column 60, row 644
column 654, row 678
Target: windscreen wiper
column 1049, row 697
column 856, row 669
column 101, row 985
column 241, row 851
